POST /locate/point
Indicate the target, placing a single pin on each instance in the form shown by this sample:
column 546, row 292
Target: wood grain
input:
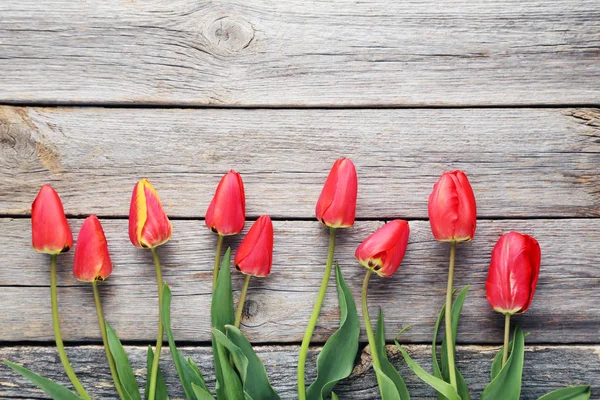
column 521, row 162
column 300, row 53
column 565, row 309
column 562, row 366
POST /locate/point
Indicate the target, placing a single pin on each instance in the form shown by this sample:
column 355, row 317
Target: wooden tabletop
column 96, row 95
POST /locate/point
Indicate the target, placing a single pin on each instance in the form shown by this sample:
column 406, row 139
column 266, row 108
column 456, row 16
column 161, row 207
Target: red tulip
column 148, row 224
column 255, row 254
column 92, row 261
column 513, row 273
column 336, row 207
column 50, row 231
column 226, row 214
column 384, row 250
column 452, row 210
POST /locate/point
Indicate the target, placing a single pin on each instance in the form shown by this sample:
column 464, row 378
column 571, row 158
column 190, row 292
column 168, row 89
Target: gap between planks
column 386, row 219
column 416, row 106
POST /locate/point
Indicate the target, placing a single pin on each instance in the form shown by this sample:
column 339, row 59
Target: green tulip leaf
column 443, row 372
column 53, row 389
column 251, row 370
column 506, row 384
column 438, row 384
column 196, row 370
column 569, row 393
column 387, row 369
column 239, row 359
column 256, row 383
column 201, row 393
column 161, row 387
column 437, row 371
column 336, row 360
column 497, row 363
column 124, row 371
column 222, row 302
column 387, row 387
column 187, row 374
column 228, row 385
column 334, row 396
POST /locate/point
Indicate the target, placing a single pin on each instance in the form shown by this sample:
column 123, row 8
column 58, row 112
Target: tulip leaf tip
column 407, row 327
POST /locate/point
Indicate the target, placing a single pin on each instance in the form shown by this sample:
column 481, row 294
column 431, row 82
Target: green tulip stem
column 506, row 338
column 315, row 315
column 109, row 357
column 240, row 307
column 449, row 338
column 368, row 326
column 57, row 335
column 159, row 338
column 217, row 260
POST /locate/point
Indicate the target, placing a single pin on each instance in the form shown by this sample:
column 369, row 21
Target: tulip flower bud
column 336, row 206
column 452, row 210
column 226, row 214
column 50, row 231
column 384, row 249
column 148, row 224
column 91, row 261
column 255, row 254
column 513, row 273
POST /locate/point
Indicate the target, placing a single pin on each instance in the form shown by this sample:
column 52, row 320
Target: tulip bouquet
column 239, row 372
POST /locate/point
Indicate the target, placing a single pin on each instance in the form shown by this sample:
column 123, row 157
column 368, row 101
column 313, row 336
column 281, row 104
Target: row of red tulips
column 511, row 283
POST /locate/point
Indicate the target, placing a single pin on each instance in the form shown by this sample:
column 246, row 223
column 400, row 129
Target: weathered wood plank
column 301, row 53
column 94, row 156
column 546, row 368
column 566, row 307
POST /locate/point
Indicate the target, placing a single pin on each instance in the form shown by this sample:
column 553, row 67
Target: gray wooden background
column 95, row 95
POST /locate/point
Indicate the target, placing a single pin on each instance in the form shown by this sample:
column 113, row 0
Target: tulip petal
column 92, row 260
column 226, row 213
column 452, row 209
column 50, row 231
column 444, row 202
column 327, row 193
column 535, row 258
column 513, row 273
column 255, row 254
column 467, row 211
column 157, row 227
column 336, row 206
column 137, row 213
column 149, row 225
column 384, row 249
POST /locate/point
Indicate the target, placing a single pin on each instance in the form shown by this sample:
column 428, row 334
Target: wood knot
column 22, row 141
column 251, row 308
column 229, row 35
